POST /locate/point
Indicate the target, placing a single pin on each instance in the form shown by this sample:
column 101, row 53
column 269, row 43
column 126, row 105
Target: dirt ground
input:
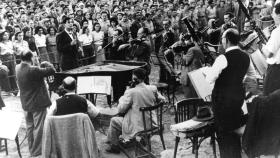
column 184, row 150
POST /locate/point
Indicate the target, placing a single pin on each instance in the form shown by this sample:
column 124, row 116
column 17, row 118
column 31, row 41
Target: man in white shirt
column 228, row 95
column 272, row 52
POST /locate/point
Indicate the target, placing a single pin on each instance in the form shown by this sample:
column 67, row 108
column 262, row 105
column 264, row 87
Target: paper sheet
column 10, row 124
column 201, row 86
column 94, row 84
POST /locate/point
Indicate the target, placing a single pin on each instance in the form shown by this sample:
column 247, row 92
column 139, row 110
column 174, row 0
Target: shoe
column 113, row 149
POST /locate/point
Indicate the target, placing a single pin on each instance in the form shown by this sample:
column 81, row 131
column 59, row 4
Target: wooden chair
column 142, row 138
column 185, row 110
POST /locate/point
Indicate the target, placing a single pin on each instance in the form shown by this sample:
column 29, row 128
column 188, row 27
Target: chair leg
column 162, row 140
column 6, row 146
column 195, row 146
column 176, row 146
column 168, row 96
column 18, row 147
column 213, row 142
column 149, row 143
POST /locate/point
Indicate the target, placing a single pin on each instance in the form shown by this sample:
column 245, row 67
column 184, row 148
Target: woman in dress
column 51, row 45
column 40, row 40
column 86, row 40
column 8, row 59
column 98, row 38
column 20, row 46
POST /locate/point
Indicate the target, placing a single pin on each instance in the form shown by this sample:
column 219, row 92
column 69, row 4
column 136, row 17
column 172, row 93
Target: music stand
column 9, row 129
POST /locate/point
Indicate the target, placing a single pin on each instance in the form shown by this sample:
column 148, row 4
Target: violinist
column 168, row 39
column 140, row 49
column 228, row 18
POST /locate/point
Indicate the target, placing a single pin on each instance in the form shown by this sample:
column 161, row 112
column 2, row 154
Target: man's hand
column 74, row 42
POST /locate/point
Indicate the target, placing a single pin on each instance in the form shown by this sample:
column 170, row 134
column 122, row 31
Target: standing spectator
column 67, row 45
column 20, row 46
column 8, row 59
column 3, row 74
column 211, row 10
column 98, row 39
column 86, row 40
column 34, row 98
column 221, row 10
column 40, row 40
column 51, row 45
column 31, row 41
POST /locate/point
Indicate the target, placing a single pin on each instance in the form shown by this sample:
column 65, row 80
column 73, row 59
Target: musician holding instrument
column 168, row 38
column 272, row 51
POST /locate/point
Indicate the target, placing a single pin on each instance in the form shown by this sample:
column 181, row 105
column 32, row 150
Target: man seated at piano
column 129, row 121
column 71, row 103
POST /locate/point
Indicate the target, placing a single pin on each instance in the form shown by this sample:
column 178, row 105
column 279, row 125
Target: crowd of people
column 39, row 37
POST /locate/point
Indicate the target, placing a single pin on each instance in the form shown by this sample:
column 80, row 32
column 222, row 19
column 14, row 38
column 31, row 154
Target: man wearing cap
column 34, row 98
column 71, row 103
column 138, row 95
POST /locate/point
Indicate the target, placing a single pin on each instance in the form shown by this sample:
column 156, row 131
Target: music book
column 94, row 84
column 201, row 86
column 10, row 123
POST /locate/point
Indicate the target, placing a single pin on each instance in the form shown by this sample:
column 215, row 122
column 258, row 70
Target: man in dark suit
column 228, row 95
column 67, row 46
column 34, row 98
column 3, row 74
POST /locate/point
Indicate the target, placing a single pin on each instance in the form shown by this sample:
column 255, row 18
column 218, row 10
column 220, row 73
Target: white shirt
column 40, row 40
column 273, row 45
column 212, row 73
column 86, row 39
column 98, row 37
column 70, row 34
column 92, row 110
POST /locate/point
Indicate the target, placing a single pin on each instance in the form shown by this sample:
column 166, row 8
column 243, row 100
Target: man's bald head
column 69, row 84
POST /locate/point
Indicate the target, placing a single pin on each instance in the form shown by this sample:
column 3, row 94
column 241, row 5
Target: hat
column 203, row 114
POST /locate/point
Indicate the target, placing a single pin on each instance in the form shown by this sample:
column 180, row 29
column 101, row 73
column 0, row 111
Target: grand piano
column 120, row 71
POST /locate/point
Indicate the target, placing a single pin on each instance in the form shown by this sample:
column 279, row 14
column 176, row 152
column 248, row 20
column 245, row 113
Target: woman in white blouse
column 20, row 45
column 86, row 40
column 8, row 59
column 98, row 38
column 40, row 40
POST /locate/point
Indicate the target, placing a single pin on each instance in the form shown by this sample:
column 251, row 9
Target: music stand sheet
column 10, row 124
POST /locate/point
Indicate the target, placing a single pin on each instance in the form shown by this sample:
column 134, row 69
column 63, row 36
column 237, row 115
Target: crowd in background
column 101, row 26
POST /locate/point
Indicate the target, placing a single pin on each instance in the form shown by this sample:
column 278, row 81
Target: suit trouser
column 34, row 126
column 229, row 144
column 115, row 130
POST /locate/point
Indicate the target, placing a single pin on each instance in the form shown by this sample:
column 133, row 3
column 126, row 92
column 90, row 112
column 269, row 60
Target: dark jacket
column 69, row 53
column 3, row 75
column 261, row 136
column 229, row 93
column 33, row 92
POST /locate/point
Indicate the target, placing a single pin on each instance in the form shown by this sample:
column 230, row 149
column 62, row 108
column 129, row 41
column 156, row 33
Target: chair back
column 67, row 133
column 149, row 114
column 187, row 108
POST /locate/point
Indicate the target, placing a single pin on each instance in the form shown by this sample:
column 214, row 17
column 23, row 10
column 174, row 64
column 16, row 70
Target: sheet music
column 94, row 84
column 201, row 86
column 10, row 123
